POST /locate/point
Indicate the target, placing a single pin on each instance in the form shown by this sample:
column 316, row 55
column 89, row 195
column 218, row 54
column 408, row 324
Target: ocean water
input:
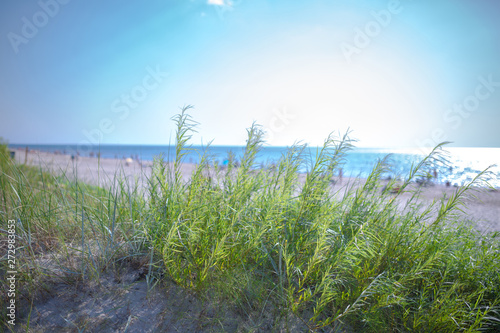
column 464, row 163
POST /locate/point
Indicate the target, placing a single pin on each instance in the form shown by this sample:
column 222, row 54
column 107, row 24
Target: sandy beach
column 92, row 170
column 123, row 296
column 483, row 208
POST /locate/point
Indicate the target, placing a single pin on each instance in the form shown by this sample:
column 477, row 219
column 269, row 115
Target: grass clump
column 273, row 240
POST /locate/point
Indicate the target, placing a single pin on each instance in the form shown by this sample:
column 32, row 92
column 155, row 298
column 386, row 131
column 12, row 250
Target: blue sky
column 397, row 73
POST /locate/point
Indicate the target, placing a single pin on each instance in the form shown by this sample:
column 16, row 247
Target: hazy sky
column 398, row 73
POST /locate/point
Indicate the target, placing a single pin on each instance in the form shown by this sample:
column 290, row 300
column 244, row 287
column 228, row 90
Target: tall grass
column 270, row 239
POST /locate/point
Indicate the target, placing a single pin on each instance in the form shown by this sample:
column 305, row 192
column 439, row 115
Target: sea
column 463, row 164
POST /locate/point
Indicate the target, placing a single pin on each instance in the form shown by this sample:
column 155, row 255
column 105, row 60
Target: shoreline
column 484, row 209
column 462, row 165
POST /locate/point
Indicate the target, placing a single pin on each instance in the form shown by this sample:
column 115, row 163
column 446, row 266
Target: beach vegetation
column 270, row 241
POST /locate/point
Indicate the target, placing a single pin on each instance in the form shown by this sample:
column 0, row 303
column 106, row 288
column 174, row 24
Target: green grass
column 261, row 239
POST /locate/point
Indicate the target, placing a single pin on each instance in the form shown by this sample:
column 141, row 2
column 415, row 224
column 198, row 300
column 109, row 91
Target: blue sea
column 464, row 163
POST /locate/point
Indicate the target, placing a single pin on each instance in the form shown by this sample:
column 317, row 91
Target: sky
column 395, row 73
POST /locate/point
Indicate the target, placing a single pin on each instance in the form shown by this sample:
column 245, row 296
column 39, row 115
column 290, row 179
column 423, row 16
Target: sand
column 483, row 210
